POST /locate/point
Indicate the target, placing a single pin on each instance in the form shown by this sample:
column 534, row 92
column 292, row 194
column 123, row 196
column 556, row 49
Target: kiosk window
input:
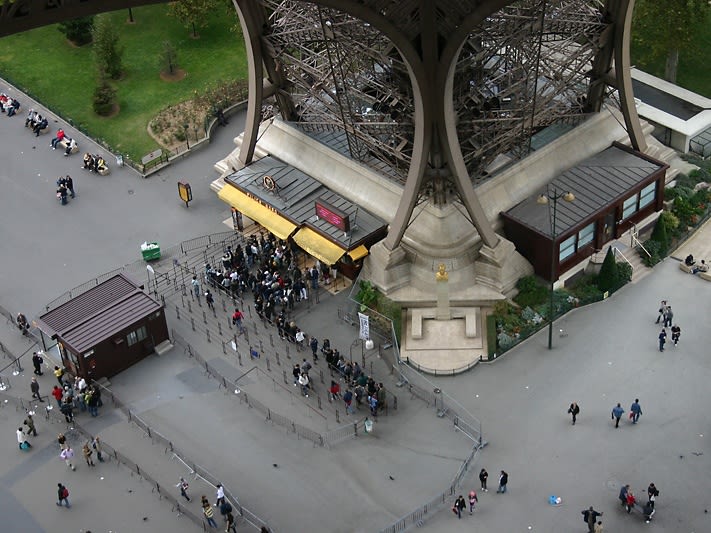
column 586, row 235
column 629, row 207
column 137, row 336
column 647, row 195
column 567, row 248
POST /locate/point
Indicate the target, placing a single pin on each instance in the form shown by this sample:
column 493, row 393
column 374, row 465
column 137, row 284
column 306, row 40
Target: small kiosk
column 106, row 329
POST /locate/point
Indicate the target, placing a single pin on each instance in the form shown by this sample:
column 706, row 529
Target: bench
column 685, row 268
column 417, row 323
column 64, row 143
column 705, row 275
column 104, row 171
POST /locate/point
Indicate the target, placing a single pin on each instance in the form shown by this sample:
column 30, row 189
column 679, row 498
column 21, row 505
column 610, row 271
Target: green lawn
column 62, row 77
column 694, row 71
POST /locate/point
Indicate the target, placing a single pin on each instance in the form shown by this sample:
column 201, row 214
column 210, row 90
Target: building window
column 137, row 336
column 585, row 235
column 629, row 207
column 647, row 195
column 567, row 248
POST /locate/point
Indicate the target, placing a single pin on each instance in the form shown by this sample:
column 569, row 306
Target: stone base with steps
column 443, row 346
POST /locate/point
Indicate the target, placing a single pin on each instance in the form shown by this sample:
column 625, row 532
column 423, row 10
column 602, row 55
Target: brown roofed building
column 107, row 328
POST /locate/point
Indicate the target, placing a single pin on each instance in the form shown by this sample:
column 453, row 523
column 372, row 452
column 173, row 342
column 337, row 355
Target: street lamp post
column 546, row 199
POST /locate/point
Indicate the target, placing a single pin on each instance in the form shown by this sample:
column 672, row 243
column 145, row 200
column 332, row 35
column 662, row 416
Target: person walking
column 459, row 506
column 503, row 481
column 37, row 363
column 348, row 401
column 183, row 486
column 662, row 310
column 22, row 442
column 598, row 527
column 96, row 444
column 623, row 494
column 668, row 317
column 675, row 334
column 231, row 523
column 483, row 476
column 662, row 339
column 34, row 387
column 69, row 182
column 30, row 423
column 67, row 454
column 652, row 493
column 62, row 441
column 87, row 453
column 636, row 410
column 473, row 500
column 237, row 318
column 62, row 495
column 590, row 516
column 219, row 495
column 22, row 324
column 59, row 374
column 210, row 300
column 209, row 515
column 574, row 410
column 196, row 288
column 58, row 393
column 313, row 344
column 617, row 413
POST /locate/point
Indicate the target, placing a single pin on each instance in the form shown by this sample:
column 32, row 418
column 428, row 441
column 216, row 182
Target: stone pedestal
column 443, row 312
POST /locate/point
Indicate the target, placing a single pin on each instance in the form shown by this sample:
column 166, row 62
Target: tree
column 168, row 58
column 107, row 51
column 104, row 97
column 78, row 30
column 665, row 29
column 659, row 234
column 608, row 278
column 192, row 13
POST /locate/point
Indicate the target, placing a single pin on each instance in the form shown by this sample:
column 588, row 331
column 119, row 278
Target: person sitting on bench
column 31, row 116
column 701, row 267
column 99, row 164
column 40, row 125
column 689, row 261
column 71, row 145
column 88, row 162
column 12, row 106
column 57, row 139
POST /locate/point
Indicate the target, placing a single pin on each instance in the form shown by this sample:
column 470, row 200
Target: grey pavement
column 607, row 354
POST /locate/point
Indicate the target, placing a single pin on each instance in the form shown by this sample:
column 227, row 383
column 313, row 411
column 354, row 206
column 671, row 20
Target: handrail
column 616, row 251
column 635, row 241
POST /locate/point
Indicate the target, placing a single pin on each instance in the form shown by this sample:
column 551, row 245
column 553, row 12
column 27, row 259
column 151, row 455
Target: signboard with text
column 333, row 215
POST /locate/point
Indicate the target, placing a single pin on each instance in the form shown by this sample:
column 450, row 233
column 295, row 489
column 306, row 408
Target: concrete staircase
column 639, row 269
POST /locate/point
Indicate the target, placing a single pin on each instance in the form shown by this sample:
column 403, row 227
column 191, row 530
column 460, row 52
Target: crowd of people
column 267, row 267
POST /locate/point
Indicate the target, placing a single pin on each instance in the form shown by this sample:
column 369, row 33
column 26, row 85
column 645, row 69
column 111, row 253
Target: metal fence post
column 207, row 331
column 177, row 311
column 204, row 317
column 192, row 323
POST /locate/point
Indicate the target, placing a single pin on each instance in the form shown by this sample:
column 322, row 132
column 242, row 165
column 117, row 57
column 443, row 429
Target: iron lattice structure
column 344, row 76
column 523, row 68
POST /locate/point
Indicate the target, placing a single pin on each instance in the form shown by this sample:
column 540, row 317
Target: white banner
column 364, row 326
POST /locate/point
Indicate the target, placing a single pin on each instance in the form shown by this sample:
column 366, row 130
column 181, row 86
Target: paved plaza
column 603, row 354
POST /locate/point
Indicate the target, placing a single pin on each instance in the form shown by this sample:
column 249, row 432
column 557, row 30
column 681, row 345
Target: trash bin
column 150, row 251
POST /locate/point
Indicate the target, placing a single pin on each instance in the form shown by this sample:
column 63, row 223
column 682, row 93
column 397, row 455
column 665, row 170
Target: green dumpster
column 150, row 251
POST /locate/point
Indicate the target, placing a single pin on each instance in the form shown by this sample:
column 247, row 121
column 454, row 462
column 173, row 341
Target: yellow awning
column 357, row 253
column 274, row 222
column 320, row 247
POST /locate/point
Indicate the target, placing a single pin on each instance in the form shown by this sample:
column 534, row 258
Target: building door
column 608, row 227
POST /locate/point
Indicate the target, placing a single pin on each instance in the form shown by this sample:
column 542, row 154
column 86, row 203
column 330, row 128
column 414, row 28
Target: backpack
column 65, row 492
column 225, row 508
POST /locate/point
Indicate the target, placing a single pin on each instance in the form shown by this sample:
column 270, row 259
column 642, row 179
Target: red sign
column 333, row 216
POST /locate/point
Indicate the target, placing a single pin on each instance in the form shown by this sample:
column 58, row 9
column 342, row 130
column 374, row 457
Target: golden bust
column 442, row 274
